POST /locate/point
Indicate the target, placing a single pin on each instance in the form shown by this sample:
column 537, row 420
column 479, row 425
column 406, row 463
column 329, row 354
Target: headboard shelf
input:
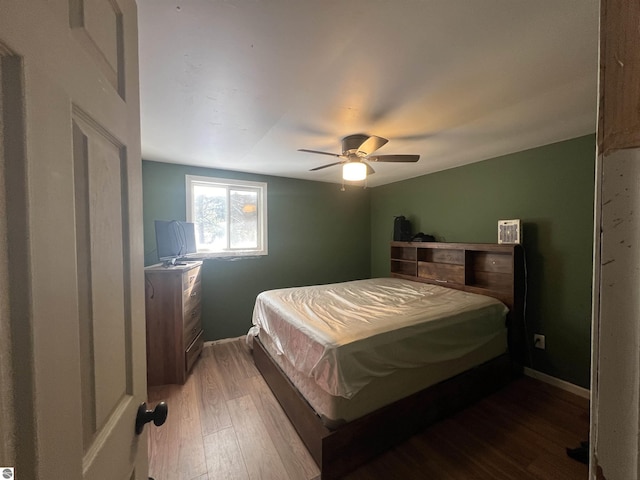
column 485, row 268
column 496, row 270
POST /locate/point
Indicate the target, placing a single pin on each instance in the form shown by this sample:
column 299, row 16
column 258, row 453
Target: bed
column 359, row 366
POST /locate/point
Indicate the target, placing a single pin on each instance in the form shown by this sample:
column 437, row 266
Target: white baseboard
column 556, row 382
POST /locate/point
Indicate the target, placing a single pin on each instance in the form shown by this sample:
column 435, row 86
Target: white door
column 73, row 299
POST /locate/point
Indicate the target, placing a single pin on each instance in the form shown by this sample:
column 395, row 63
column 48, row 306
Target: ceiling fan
column 356, row 152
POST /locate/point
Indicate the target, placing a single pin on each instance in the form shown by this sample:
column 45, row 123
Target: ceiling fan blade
column 372, row 144
column 325, row 166
column 394, row 158
column 321, row 153
column 370, row 170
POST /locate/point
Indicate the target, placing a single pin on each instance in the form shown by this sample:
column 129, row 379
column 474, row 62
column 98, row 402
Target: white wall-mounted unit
column 509, row 231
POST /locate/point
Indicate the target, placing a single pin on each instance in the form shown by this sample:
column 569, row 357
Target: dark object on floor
column 581, row 453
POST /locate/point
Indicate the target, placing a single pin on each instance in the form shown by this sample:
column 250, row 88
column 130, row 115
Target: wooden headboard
column 486, row 268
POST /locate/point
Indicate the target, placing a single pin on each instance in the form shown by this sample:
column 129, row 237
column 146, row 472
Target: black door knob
column 158, row 415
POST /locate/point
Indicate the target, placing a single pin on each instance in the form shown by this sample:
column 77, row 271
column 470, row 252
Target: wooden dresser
column 174, row 326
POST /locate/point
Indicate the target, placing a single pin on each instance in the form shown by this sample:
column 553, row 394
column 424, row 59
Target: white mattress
column 335, row 410
column 342, row 337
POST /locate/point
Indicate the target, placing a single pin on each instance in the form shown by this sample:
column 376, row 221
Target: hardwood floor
column 224, row 423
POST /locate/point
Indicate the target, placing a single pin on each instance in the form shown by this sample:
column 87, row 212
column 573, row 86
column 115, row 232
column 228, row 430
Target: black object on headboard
column 401, row 229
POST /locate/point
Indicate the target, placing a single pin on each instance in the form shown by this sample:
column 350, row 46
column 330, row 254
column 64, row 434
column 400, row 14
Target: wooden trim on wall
column 619, row 95
column 612, row 340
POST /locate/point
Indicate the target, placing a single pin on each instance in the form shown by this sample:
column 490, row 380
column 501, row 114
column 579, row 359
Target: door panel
column 97, row 25
column 76, row 296
column 100, row 186
column 11, row 127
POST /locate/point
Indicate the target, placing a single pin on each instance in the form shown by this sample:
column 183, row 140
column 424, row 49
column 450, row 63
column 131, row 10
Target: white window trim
column 190, row 180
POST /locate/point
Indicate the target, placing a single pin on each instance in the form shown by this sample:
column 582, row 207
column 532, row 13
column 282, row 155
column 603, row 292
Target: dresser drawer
column 190, row 278
column 192, row 323
column 193, row 352
column 192, row 295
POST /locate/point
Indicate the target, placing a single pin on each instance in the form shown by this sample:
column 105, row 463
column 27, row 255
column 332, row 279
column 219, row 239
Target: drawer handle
column 194, row 314
column 441, row 281
column 193, row 294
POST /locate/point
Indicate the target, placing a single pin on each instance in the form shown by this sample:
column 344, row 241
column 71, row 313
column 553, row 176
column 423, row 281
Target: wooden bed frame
column 489, row 269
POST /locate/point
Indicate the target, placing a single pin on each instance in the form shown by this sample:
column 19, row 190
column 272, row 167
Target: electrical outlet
column 538, row 341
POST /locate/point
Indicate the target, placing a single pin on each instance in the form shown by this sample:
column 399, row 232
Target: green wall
column 551, row 190
column 317, row 234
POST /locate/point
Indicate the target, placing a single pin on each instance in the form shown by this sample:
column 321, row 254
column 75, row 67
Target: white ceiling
column 242, row 84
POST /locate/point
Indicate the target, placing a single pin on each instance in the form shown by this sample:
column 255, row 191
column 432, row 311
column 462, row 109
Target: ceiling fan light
column 354, row 171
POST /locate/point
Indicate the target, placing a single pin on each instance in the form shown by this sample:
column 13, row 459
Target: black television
column 174, row 240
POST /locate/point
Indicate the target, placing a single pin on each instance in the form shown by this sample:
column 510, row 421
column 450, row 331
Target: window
column 230, row 216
